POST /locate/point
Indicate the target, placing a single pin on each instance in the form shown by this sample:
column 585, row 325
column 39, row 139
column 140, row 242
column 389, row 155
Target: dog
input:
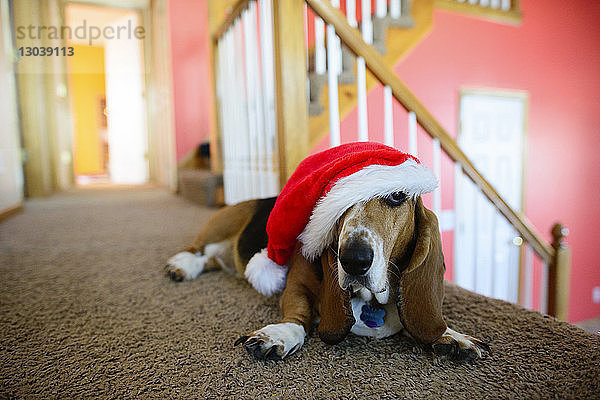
column 382, row 273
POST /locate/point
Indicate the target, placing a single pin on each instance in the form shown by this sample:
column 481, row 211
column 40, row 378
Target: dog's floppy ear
column 422, row 282
column 336, row 310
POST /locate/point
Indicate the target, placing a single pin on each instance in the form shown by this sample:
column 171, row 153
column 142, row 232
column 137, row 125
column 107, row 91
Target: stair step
column 317, row 82
column 348, row 77
column 380, row 26
column 315, row 108
column 201, row 186
column 405, row 21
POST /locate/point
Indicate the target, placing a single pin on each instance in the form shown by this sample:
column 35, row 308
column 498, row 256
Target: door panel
column 491, row 135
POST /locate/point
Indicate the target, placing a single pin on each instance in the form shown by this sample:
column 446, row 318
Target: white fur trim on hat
column 265, row 275
column 410, row 177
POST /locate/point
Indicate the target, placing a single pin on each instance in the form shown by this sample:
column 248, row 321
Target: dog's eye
column 395, row 199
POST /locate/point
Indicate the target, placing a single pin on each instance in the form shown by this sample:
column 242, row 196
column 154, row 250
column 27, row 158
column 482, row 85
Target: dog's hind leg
column 213, row 248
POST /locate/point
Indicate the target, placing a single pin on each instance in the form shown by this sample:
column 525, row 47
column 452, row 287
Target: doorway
column 106, row 82
column 491, row 133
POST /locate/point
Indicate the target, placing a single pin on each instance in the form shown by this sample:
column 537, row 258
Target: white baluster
column 437, row 171
column 237, row 157
column 381, row 8
column 332, row 68
column 235, row 116
column 351, row 13
column 225, row 122
column 544, row 289
column 258, row 103
column 338, row 44
column 268, row 78
column 484, row 3
column 528, row 278
column 361, row 86
column 495, row 4
column 243, row 145
column 249, row 30
column 230, row 122
column 361, row 73
column 395, row 9
column 367, row 22
column 305, row 11
column 505, row 5
column 388, row 116
column 412, row 134
column 221, row 98
column 320, row 62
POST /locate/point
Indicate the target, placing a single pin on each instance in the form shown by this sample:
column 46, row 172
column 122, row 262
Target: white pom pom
column 265, row 275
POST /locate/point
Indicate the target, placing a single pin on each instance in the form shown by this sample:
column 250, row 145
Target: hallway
column 86, row 311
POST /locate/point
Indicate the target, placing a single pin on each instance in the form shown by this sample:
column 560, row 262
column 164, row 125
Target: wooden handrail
column 230, row 19
column 376, row 65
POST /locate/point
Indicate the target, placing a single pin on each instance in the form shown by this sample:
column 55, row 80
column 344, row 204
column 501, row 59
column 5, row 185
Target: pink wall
column 192, row 87
column 554, row 56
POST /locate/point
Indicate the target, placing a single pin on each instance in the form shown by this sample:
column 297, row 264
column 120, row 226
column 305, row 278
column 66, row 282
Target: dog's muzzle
column 356, row 257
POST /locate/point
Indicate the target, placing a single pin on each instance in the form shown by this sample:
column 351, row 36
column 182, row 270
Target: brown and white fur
column 389, row 255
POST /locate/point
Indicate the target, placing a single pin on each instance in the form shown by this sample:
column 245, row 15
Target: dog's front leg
column 298, row 301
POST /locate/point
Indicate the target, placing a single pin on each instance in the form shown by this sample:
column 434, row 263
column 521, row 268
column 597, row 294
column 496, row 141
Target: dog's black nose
column 356, row 257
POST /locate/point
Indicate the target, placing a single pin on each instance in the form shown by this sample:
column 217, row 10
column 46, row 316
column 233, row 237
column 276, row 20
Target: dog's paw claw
column 460, row 347
column 274, row 342
column 174, row 273
column 185, row 266
column 486, row 347
column 261, row 349
column 241, row 340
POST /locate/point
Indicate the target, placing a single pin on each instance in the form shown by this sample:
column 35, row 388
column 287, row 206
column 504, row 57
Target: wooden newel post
column 290, row 78
column 559, row 274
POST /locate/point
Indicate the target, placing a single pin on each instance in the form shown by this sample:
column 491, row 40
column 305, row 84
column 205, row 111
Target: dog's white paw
column 459, row 346
column 185, row 266
column 274, row 342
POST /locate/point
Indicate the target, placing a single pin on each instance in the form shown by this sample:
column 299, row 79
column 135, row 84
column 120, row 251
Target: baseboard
column 10, row 211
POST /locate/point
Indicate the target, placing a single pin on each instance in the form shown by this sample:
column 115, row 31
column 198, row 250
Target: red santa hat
column 321, row 189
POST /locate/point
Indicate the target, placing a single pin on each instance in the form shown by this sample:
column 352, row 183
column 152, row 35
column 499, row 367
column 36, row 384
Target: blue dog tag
column 372, row 317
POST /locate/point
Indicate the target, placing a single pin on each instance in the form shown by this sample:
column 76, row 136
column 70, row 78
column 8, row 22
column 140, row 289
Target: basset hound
column 381, row 274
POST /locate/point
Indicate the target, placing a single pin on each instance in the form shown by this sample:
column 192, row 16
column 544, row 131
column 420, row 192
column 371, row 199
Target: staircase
column 196, row 182
column 272, row 89
column 393, row 37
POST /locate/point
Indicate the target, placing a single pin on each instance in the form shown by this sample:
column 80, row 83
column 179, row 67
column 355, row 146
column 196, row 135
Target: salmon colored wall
column 554, row 56
column 87, row 85
column 192, row 86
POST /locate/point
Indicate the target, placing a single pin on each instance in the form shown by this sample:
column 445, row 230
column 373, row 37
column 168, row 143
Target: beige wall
column 11, row 173
column 161, row 125
column 44, row 103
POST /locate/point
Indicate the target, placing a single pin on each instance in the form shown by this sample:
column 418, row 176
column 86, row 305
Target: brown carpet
column 86, row 312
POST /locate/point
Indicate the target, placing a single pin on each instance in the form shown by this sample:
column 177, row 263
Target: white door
column 127, row 139
column 491, row 134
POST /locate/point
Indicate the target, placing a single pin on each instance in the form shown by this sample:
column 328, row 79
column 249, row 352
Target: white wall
column 11, row 172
